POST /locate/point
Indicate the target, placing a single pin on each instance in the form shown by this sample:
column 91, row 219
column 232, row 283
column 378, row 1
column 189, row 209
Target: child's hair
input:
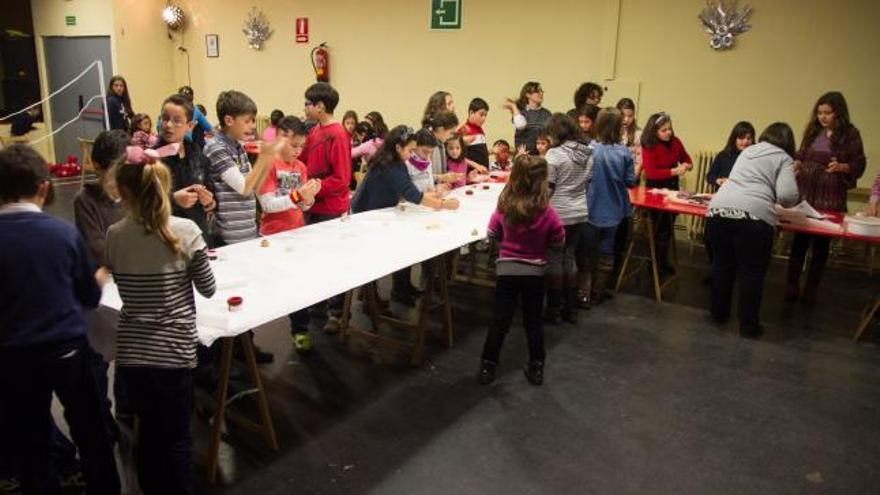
column 109, row 149
column 529, row 87
column 461, row 146
column 442, row 119
column 608, row 125
column 186, row 92
column 323, row 93
column 21, row 171
column 145, row 189
column 201, row 109
column 436, row 104
column 628, row 104
column 136, row 121
column 740, row 130
column 502, row 142
column 526, row 193
column 275, row 117
column 779, row 134
column 584, row 91
column 478, row 104
column 655, row 122
column 837, row 102
column 182, row 102
column 589, row 111
column 234, row 104
column 366, row 129
column 378, row 123
column 350, row 114
column 561, row 128
column 292, row 124
column 425, row 137
column 126, row 99
column 387, row 154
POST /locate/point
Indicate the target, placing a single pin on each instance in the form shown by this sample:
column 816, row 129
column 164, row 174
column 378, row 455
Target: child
column 192, row 197
column 874, row 200
column 230, row 174
column 327, row 155
column 528, row 115
column 612, row 173
column 741, row 137
column 156, row 260
column 48, row 278
column 119, row 111
column 588, row 92
column 379, row 127
column 542, row 143
column 526, row 228
column 477, row 151
column 142, row 134
column 664, row 160
column 631, row 133
column 419, row 162
column 501, row 151
column 441, row 101
column 585, row 117
column 567, row 161
column 455, row 160
column 830, row 161
column 270, row 132
column 443, row 125
column 741, row 224
column 349, row 121
column 286, row 193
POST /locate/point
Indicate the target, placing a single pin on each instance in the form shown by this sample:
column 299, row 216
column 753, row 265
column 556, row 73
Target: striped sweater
column 236, row 214
column 157, row 324
column 567, row 173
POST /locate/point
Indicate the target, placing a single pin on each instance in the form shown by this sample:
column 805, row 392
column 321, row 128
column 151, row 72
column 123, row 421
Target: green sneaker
column 302, row 343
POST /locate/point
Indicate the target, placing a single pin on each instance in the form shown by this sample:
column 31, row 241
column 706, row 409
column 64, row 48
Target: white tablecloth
column 302, row 267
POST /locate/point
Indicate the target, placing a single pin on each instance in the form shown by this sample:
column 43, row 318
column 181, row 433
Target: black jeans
column 741, row 251
column 27, row 379
column 334, row 304
column 163, row 401
column 509, row 291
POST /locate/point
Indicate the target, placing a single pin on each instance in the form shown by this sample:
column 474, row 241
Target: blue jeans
column 601, row 238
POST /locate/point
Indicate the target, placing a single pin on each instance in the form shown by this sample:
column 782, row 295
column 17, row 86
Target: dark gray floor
column 640, row 397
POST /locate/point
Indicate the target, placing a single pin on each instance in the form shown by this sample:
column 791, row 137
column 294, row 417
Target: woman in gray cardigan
column 741, row 222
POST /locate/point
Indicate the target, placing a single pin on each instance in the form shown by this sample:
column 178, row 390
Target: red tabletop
column 641, row 197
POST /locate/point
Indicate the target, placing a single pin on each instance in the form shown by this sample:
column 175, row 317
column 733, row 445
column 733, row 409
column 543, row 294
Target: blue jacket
column 612, row 173
column 47, row 279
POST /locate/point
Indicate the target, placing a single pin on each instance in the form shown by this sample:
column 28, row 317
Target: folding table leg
column 867, row 317
column 220, row 407
column 440, row 277
column 345, row 318
column 653, row 251
column 268, row 428
column 424, row 311
column 632, row 241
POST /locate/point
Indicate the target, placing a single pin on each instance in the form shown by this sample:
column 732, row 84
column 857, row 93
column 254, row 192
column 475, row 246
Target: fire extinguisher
column 321, row 62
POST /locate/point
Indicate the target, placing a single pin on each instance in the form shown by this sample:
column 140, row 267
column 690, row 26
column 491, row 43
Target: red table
column 643, row 199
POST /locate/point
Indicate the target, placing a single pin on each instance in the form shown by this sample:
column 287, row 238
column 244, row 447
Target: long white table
column 305, row 266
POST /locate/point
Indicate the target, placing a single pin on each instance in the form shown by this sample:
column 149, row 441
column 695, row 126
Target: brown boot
column 603, row 275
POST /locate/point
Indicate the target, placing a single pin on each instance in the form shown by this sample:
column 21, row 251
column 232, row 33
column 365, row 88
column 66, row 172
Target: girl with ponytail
column 156, row 260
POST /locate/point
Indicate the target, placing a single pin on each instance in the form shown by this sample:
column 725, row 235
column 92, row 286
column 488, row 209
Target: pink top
column 875, row 191
column 527, row 242
column 367, row 149
column 144, row 140
column 459, row 167
column 269, row 134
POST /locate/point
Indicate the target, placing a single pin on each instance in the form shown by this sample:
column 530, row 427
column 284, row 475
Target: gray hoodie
column 568, row 175
column 762, row 176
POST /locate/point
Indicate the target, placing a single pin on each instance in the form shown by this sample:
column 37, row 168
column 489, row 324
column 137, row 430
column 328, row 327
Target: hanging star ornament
column 256, row 29
column 723, row 20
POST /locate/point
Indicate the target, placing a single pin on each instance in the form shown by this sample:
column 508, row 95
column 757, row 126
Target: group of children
column 161, row 201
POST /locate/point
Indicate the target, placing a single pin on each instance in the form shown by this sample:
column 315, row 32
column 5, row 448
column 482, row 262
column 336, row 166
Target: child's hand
column 797, row 167
column 449, row 204
column 509, row 104
column 186, row 197
column 720, row 181
column 872, row 209
column 206, row 197
column 443, row 189
column 273, row 148
column 479, row 168
column 102, row 276
column 521, row 150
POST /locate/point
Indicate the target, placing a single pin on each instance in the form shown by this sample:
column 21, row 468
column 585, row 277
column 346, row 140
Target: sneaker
column 535, row 372
column 9, row 485
column 302, row 343
column 75, row 480
column 333, row 325
column 487, row 372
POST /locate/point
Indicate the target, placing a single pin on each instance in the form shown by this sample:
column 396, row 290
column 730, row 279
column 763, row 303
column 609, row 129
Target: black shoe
column 404, row 298
column 535, row 372
column 751, row 332
column 583, row 300
column 487, row 372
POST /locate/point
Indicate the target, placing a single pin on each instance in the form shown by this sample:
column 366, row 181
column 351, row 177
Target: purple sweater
column 527, row 244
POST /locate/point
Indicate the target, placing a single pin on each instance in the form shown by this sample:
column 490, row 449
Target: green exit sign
column 445, row 14
column 70, row 20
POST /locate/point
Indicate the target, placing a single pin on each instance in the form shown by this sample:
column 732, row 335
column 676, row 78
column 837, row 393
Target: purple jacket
column 527, row 243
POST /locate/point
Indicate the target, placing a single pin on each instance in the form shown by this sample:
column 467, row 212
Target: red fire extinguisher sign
column 302, row 30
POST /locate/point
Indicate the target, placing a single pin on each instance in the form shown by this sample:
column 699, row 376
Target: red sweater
column 327, row 155
column 659, row 160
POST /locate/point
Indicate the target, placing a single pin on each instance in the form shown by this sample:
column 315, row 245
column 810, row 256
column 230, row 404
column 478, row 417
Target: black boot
column 400, row 284
column 603, row 276
column 535, row 372
column 487, row 372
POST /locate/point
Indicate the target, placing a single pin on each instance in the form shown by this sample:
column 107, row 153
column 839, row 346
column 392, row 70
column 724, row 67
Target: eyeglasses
column 177, row 121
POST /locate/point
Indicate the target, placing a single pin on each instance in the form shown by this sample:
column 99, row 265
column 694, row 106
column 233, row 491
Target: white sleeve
column 233, row 178
column 519, row 121
column 270, row 203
